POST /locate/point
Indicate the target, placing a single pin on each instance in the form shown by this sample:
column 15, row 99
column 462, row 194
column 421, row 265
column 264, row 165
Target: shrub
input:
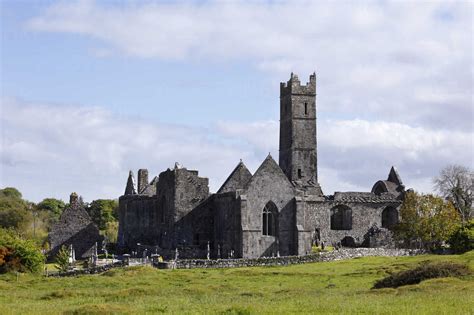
column 463, row 239
column 424, row 271
column 62, row 259
column 17, row 254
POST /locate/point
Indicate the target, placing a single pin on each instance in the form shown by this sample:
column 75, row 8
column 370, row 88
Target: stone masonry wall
column 269, row 184
column 364, row 216
column 291, row 260
column 75, row 228
column 159, row 220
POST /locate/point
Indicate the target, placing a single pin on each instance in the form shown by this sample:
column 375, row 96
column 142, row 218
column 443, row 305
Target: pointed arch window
column 389, row 217
column 269, row 219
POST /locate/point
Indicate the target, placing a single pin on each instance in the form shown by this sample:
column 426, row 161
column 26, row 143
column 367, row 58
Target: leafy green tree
column 103, row 211
column 13, row 209
column 10, row 192
column 463, row 238
column 18, row 254
column 53, row 207
column 426, row 220
column 111, row 231
column 62, row 259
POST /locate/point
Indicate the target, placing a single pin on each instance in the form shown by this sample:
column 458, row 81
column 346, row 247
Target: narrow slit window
column 306, row 108
column 299, row 173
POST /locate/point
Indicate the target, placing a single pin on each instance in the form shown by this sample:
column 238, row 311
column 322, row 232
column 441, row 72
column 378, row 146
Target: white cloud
column 353, row 154
column 400, row 73
column 409, row 62
column 52, row 150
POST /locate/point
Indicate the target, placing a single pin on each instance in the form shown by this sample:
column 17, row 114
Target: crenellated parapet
column 294, row 86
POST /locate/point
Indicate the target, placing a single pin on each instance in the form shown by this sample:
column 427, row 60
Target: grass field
column 332, row 287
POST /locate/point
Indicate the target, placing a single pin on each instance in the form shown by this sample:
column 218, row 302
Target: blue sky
column 91, row 89
column 66, row 69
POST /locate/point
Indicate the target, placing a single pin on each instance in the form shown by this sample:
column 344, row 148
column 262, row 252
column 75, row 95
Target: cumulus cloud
column 353, row 154
column 54, row 149
column 395, row 87
column 409, row 62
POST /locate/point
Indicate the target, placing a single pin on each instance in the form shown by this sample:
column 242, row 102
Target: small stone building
column 75, row 228
column 278, row 210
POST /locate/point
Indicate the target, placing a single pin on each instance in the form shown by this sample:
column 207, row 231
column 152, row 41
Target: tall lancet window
column 269, row 219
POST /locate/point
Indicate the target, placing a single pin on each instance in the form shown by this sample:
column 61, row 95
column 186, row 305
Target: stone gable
column 74, row 227
column 238, row 179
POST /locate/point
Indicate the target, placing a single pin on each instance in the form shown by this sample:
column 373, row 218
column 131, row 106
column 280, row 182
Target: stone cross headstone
column 176, row 254
column 208, row 250
column 70, row 260
column 218, row 250
column 126, row 259
column 94, row 255
column 154, row 258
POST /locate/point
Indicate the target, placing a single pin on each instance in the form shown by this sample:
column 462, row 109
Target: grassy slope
column 333, row 287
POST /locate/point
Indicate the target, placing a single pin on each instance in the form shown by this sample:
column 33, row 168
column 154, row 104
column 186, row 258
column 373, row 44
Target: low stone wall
column 89, row 271
column 291, row 260
column 341, row 254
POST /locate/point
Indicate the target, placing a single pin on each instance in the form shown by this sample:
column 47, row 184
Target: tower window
column 299, row 173
column 306, row 108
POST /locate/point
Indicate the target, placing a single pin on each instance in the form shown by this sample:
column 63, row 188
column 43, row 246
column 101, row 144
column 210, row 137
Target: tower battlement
column 293, row 86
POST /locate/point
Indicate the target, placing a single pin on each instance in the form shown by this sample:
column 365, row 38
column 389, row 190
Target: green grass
column 329, row 288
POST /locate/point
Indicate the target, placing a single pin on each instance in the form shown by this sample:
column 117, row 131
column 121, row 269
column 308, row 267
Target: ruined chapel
column 278, row 210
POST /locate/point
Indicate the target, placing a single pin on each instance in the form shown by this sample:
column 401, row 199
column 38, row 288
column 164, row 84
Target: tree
column 53, row 207
column 111, row 231
column 456, row 183
column 13, row 209
column 463, row 239
column 10, row 192
column 426, row 220
column 103, row 211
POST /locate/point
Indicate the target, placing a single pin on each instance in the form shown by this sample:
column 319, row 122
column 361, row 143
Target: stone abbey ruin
column 74, row 228
column 278, row 210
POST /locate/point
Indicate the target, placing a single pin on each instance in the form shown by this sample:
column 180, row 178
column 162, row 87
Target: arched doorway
column 348, row 241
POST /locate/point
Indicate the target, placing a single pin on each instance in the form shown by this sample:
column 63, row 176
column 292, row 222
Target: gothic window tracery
column 269, row 219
